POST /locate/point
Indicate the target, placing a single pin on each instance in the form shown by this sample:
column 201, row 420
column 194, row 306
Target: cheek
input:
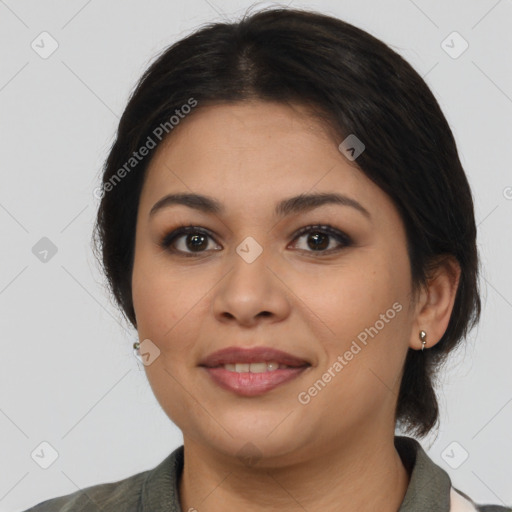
column 360, row 314
column 168, row 303
column 159, row 299
column 351, row 296
column 165, row 306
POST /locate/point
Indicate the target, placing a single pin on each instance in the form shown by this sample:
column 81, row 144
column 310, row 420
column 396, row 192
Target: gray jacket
column 156, row 490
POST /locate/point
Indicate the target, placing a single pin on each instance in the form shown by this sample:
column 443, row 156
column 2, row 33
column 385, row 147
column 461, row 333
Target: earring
column 423, row 338
column 136, row 351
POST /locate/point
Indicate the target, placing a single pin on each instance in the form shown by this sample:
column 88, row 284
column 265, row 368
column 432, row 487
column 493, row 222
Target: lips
column 248, row 383
column 233, row 355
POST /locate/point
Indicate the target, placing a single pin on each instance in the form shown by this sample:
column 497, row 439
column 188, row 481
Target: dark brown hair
column 357, row 85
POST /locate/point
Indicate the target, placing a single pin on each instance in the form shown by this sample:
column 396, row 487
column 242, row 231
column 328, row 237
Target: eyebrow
column 289, row 206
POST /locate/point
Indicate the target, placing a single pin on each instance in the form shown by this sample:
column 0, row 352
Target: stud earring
column 423, row 338
column 136, row 351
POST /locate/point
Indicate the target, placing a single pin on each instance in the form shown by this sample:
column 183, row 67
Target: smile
column 254, row 367
column 252, row 371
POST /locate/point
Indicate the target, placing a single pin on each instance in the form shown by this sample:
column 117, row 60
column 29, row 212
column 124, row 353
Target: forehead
column 246, row 130
column 253, row 152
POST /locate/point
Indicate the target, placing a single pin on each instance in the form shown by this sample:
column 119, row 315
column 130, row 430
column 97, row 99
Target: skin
column 336, row 452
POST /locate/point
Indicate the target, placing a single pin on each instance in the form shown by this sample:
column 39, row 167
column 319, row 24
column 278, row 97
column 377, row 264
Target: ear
column 435, row 303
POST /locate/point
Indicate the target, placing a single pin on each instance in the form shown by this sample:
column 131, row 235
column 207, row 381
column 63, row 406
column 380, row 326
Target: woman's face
column 245, row 278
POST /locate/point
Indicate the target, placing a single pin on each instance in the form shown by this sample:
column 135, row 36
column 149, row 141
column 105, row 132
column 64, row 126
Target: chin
column 257, row 448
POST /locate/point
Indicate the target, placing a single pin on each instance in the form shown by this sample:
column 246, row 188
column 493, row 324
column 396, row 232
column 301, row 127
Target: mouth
column 252, row 372
column 260, row 367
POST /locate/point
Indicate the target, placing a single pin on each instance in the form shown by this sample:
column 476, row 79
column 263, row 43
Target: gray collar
column 428, row 490
column 429, row 485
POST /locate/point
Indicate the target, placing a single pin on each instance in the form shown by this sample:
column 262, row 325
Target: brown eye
column 319, row 238
column 186, row 240
column 194, row 241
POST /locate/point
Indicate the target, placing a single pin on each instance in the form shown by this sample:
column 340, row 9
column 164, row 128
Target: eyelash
column 326, row 229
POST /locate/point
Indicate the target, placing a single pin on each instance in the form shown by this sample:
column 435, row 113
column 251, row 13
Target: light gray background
column 68, row 375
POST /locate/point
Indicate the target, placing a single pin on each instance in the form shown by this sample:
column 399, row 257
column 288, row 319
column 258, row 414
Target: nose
column 252, row 292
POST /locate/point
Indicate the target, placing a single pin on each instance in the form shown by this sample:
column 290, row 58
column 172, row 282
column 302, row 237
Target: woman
column 285, row 221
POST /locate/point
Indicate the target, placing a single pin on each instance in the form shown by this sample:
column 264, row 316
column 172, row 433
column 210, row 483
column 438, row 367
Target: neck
column 362, row 476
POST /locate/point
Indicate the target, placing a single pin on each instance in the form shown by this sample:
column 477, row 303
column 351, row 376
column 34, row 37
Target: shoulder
column 108, row 497
column 430, row 486
column 460, row 501
column 493, row 508
column 153, row 489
